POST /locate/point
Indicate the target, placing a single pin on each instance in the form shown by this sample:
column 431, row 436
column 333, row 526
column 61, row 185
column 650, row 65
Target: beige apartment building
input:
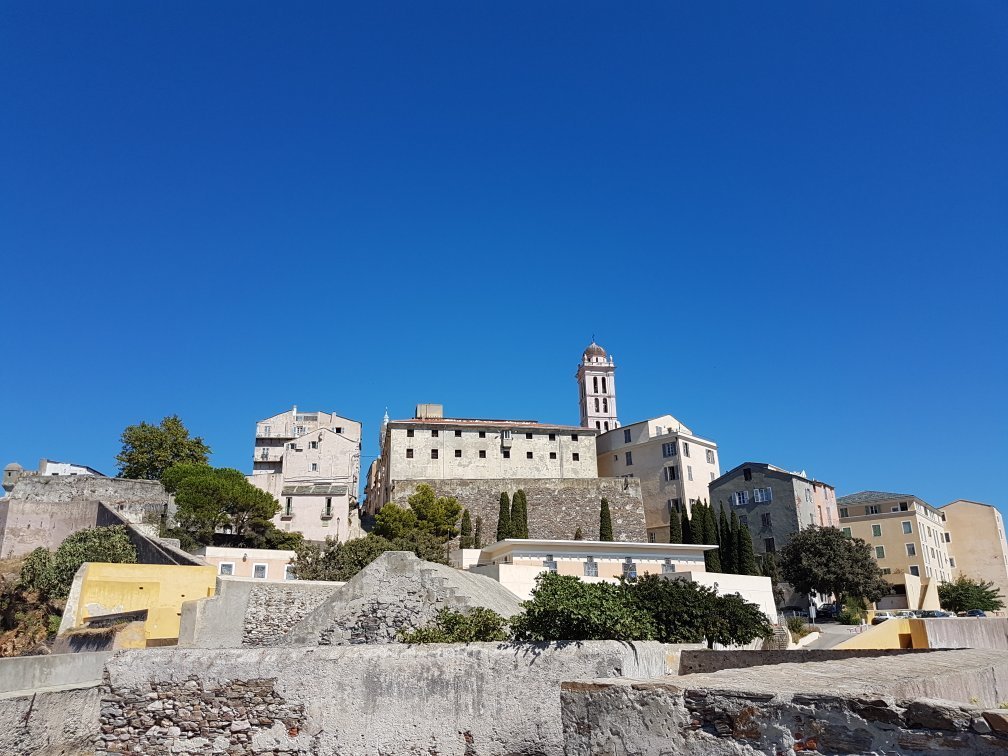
column 272, row 565
column 976, row 542
column 431, row 447
column 674, row 466
column 907, row 536
column 310, row 461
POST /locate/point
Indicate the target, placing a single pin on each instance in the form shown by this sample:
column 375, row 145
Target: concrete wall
column 703, row 661
column 965, row 632
column 452, row 700
column 556, row 508
column 25, row 674
column 31, row 524
column 50, row 724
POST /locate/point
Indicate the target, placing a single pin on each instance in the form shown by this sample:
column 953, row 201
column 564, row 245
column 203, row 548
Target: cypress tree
column 519, row 515
column 675, row 527
column 685, row 527
column 746, row 558
column 728, row 542
column 465, row 531
column 605, row 522
column 711, row 558
column 578, row 535
column 478, row 534
column 504, row 517
column 697, row 520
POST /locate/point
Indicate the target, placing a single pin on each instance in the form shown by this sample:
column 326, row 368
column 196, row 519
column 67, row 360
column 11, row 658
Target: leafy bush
column 854, row 611
column 797, row 627
column 564, row 607
column 52, row 573
column 475, row 625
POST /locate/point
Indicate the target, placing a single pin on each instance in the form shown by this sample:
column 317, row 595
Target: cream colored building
column 310, row 461
column 431, row 447
column 272, row 565
column 976, row 542
column 674, row 466
column 906, row 535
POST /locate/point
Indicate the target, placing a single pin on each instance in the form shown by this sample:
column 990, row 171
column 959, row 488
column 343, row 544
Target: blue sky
column 789, row 223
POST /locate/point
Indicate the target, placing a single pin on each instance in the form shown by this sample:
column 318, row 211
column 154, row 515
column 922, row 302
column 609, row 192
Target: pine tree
column 478, row 534
column 729, row 540
column 519, row 515
column 504, row 517
column 685, row 527
column 605, row 522
column 713, row 557
column 746, row 558
column 465, row 531
column 675, row 527
column 578, row 535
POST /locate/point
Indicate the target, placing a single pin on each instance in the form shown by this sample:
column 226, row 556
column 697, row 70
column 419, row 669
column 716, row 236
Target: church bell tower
column 595, row 377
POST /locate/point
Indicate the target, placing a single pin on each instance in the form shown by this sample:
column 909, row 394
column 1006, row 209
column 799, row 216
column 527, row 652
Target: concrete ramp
column 396, row 592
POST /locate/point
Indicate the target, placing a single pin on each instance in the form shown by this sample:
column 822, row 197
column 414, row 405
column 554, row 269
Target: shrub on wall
column 472, row 626
column 52, row 573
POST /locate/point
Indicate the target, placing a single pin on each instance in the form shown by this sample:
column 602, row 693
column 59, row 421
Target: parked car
column 794, row 611
column 906, row 614
column 935, row 613
column 976, row 613
column 827, row 612
column 881, row 617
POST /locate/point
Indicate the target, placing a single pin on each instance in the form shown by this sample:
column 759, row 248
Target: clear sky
column 788, row 222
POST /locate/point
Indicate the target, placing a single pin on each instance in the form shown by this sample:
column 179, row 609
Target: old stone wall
column 31, row 524
column 556, row 507
column 397, row 592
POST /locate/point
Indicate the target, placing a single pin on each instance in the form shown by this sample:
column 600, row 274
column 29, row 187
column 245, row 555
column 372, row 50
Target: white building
column 674, row 467
column 310, row 461
column 596, row 377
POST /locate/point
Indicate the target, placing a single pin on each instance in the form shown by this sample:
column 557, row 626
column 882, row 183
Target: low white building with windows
column 272, row 565
column 674, row 467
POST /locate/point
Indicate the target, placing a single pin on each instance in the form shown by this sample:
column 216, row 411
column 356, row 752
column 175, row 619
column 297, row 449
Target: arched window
column 595, row 383
column 597, row 425
column 596, row 404
column 604, row 389
column 605, row 405
column 607, row 425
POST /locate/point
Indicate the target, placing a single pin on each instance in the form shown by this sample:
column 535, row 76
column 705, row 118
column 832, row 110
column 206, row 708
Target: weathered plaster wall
column 63, row 723
column 20, row 674
column 30, row 524
column 396, row 592
column 556, row 507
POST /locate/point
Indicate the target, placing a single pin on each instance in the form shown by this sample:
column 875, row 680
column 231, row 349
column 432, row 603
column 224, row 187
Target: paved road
column 833, row 633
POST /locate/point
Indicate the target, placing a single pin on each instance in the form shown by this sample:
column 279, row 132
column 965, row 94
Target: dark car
column 828, row 611
column 935, row 613
column 976, row 613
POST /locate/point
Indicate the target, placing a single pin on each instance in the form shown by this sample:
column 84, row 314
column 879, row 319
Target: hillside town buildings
column 310, row 461
column 976, row 542
column 773, row 502
column 673, row 465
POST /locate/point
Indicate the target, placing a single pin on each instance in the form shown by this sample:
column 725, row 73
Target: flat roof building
column 976, row 542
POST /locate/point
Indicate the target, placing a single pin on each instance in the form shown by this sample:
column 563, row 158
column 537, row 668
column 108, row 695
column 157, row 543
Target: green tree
column 735, row 621
column 769, row 569
column 564, row 607
column 478, row 534
column 149, row 450
column 826, row 560
column 341, row 561
column 465, row 531
column 746, row 558
column 438, row 515
column 605, row 522
column 477, row 624
column 52, row 573
column 519, row 518
column 698, row 523
column 712, row 558
column 504, row 517
column 685, row 526
column 578, row 535
column 393, row 521
column 964, row 593
column 675, row 527
column 729, row 541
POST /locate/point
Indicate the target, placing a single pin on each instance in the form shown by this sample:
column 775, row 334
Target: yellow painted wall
column 884, row 635
column 160, row 589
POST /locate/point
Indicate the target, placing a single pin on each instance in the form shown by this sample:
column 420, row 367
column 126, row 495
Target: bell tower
column 596, row 384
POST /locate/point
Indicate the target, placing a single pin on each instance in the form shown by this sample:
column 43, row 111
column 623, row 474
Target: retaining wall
column 966, row 632
column 26, row 674
column 50, row 724
column 700, row 661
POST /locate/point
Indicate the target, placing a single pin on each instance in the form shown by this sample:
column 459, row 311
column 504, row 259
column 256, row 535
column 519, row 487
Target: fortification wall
column 31, row 524
column 556, row 507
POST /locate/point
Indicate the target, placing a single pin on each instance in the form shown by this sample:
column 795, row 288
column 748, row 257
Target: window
column 298, row 430
column 482, row 453
column 762, row 495
column 482, row 434
column 458, row 454
column 951, row 562
column 871, row 509
column 313, row 444
column 598, row 425
column 948, row 538
column 846, row 532
column 289, row 572
column 409, row 454
column 590, row 567
column 769, row 546
column 605, row 404
column 552, row 455
column 259, row 571
column 433, row 453
column 911, row 549
column 843, row 512
column 604, row 389
column 880, row 552
column 338, row 429
column 289, row 507
column 744, row 520
column 904, row 507
column 888, row 571
column 766, row 520
column 629, row 458
column 314, row 466
column 671, row 473
column 626, row 435
column 907, row 527
column 550, row 563
column 915, row 570
column 669, row 450
column 746, row 473
column 606, row 424
column 528, row 436
column 689, row 472
column 226, row 568
column 674, row 505
column 710, row 456
column 596, row 404
column 291, row 445
column 528, row 455
column 740, row 498
column 667, row 567
column 712, row 476
column 327, row 512
column 629, row 569
column 507, row 453
column 576, row 457
column 409, row 433
column 552, row 436
column 650, row 537
column 685, row 449
column 595, row 384
column 574, row 437
column 876, row 531
column 434, row 433
column 266, row 430
column 458, row 434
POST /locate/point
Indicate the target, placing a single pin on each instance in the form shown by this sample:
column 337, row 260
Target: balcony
column 268, row 455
